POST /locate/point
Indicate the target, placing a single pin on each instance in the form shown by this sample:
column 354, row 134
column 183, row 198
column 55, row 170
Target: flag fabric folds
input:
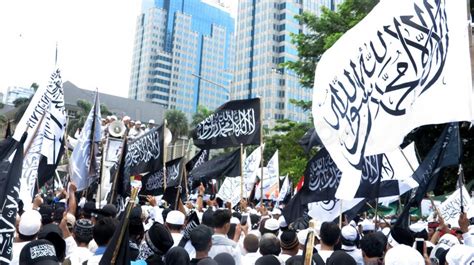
column 226, row 165
column 228, row 191
column 145, row 153
column 406, row 64
column 197, row 160
column 10, row 173
column 152, row 183
column 309, row 140
column 251, row 167
column 271, row 177
column 83, row 162
column 45, row 121
column 234, row 123
column 445, row 152
column 285, row 189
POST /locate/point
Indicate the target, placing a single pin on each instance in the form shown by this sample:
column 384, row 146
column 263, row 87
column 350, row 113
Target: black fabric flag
column 227, row 165
column 152, row 183
column 310, row 139
column 45, row 171
column 145, row 153
column 8, row 130
column 197, row 160
column 234, row 123
column 294, row 209
column 10, row 174
column 445, row 152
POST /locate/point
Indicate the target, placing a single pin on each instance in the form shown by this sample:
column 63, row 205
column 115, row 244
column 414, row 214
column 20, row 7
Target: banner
column 10, row 173
column 152, row 184
column 226, row 165
column 228, row 191
column 145, row 153
column 197, row 160
column 327, row 211
column 451, row 207
column 271, row 176
column 83, row 162
column 234, row 123
column 405, row 65
column 322, row 176
column 284, row 189
column 251, row 167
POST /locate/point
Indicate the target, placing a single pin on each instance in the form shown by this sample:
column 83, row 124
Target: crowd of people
column 64, row 229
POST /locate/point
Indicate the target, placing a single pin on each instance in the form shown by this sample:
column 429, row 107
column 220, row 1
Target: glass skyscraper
column 263, row 42
column 182, row 55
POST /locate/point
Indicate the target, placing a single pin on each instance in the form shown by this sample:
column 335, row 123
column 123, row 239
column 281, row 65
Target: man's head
column 29, row 226
column 269, row 245
column 151, row 123
column 175, row 220
column 201, row 238
column 83, row 231
column 104, row 230
column 289, row 242
column 251, row 243
column 222, row 220
column 330, row 233
column 372, row 245
column 138, row 124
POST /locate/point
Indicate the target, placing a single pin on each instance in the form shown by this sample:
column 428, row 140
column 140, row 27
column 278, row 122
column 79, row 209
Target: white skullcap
column 367, row 225
column 272, row 224
column 302, row 236
column 126, row 118
column 152, row 121
column 349, row 233
column 113, row 117
column 30, row 223
column 276, row 211
column 403, row 254
column 175, row 218
column 138, row 122
column 282, row 221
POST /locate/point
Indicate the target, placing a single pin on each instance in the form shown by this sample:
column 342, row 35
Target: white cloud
column 95, row 39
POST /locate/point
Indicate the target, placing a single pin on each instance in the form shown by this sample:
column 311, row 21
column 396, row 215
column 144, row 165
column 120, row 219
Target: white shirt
column 250, row 258
column 325, row 254
column 79, row 255
column 220, row 243
column 284, row 257
column 356, row 254
column 176, row 238
column 190, row 249
column 16, row 249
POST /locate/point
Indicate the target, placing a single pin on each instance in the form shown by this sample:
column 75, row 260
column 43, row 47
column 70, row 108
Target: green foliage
column 81, row 115
column 200, row 115
column 177, row 123
column 35, row 86
column 291, row 155
column 324, row 31
column 20, row 101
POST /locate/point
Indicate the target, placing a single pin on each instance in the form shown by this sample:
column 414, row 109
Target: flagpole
column 461, row 185
column 130, row 205
column 165, row 149
column 340, row 215
column 261, row 154
column 114, row 183
column 241, row 171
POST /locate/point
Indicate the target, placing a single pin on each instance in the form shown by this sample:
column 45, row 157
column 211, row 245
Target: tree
column 81, row 115
column 292, row 158
column 324, row 31
column 177, row 123
column 201, row 114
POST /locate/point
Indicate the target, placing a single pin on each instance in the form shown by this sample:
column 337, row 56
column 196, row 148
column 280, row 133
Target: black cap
column 109, row 210
column 38, row 252
column 88, row 208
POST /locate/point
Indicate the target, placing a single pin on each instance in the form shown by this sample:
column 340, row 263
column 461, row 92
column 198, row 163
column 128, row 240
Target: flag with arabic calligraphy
column 405, row 65
column 234, row 123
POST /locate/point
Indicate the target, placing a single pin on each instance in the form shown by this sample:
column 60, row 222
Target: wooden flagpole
column 165, row 149
column 261, row 153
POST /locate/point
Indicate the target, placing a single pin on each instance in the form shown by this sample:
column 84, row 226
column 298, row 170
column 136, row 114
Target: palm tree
column 81, row 116
column 201, row 114
column 177, row 123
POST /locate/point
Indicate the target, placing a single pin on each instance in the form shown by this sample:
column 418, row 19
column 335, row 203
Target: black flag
column 294, row 209
column 152, row 183
column 45, row 171
column 145, row 153
column 227, row 165
column 445, row 152
column 10, row 174
column 8, row 130
column 310, row 139
column 234, row 123
column 197, row 160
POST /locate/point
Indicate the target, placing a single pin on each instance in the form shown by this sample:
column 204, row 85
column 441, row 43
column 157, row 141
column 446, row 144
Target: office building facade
column 182, row 55
column 263, row 42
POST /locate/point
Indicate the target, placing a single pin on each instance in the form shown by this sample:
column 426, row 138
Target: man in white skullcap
column 175, row 222
column 151, row 125
column 28, row 228
column 349, row 240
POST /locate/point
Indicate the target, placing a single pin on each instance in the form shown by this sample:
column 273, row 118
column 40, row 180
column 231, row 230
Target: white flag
column 45, row 121
column 403, row 66
column 451, row 207
column 228, row 190
column 327, row 211
column 284, row 190
column 252, row 164
column 271, row 175
column 83, row 161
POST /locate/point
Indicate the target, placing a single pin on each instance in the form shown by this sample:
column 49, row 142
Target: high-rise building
column 263, row 42
column 182, row 54
column 15, row 92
